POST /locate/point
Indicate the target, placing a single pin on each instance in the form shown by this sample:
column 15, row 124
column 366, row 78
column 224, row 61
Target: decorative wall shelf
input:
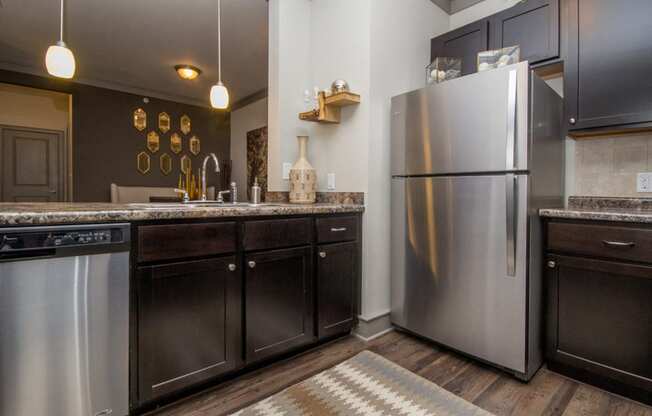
column 329, row 107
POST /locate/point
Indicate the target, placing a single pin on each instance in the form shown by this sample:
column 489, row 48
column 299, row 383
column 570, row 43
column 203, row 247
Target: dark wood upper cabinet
column 607, row 71
column 464, row 43
column 533, row 25
column 279, row 302
column 337, row 270
column 189, row 324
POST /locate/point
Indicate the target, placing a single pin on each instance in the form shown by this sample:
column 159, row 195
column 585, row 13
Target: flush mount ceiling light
column 219, row 93
column 187, row 72
column 59, row 60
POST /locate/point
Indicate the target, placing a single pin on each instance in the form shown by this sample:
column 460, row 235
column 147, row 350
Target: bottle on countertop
column 255, row 192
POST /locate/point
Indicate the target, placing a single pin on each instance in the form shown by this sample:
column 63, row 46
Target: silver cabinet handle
column 252, row 264
column 552, row 264
column 338, row 230
column 232, row 267
column 618, row 243
column 572, row 121
column 510, row 146
column 511, row 200
column 322, row 254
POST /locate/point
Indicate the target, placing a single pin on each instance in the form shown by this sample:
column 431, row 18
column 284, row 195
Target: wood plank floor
column 546, row 394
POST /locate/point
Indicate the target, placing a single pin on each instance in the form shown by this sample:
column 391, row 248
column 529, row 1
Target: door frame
column 64, row 151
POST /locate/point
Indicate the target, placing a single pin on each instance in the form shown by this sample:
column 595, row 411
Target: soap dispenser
column 255, row 192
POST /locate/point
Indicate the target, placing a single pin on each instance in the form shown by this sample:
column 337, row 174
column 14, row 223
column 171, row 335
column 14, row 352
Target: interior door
column 463, row 282
column 476, row 123
column 33, row 165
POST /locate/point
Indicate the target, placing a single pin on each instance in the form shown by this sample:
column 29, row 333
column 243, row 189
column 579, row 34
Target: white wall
column 243, row 120
column 478, row 11
column 400, row 50
column 381, row 47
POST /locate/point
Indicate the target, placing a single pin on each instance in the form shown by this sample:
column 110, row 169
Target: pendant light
column 219, row 93
column 59, row 60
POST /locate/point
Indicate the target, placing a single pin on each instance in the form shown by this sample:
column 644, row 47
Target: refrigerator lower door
column 459, row 263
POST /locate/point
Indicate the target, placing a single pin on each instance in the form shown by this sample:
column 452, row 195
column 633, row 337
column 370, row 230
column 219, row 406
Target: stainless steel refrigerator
column 473, row 159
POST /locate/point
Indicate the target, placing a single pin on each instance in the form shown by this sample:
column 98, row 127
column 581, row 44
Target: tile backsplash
column 608, row 166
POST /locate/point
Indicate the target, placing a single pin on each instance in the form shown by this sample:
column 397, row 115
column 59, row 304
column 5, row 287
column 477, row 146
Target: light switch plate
column 286, row 170
column 643, row 182
column 331, row 181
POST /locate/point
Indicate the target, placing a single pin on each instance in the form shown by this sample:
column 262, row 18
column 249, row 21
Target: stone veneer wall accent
column 356, row 198
column 607, row 166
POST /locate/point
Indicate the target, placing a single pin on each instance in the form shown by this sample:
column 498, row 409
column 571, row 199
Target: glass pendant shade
column 59, row 61
column 219, row 96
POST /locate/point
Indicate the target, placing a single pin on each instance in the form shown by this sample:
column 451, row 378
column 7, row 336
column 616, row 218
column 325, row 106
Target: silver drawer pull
column 252, row 264
column 322, row 254
column 338, row 230
column 232, row 267
column 618, row 243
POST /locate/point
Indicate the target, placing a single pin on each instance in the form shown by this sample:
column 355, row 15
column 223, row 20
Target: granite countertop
column 74, row 213
column 637, row 210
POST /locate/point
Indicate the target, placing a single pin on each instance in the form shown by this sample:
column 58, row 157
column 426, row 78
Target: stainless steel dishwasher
column 64, row 320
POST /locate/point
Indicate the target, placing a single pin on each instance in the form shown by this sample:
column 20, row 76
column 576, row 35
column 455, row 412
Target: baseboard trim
column 378, row 335
column 370, row 328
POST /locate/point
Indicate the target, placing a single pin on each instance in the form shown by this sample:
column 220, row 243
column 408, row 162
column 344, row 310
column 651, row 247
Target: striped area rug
column 366, row 384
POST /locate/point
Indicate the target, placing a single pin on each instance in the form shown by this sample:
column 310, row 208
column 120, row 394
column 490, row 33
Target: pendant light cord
column 61, row 24
column 219, row 40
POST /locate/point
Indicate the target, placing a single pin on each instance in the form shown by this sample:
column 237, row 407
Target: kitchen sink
column 198, row 204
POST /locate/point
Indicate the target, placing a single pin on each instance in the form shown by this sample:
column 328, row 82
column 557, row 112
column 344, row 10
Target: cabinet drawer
column 269, row 234
column 623, row 243
column 330, row 230
column 167, row 242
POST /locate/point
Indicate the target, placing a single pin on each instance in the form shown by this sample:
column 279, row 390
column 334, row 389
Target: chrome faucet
column 203, row 173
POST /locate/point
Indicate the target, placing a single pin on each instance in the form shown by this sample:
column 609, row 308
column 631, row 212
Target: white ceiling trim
column 454, row 6
column 111, row 86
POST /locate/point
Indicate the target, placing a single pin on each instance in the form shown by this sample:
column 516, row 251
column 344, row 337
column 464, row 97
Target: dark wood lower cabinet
column 337, row 268
column 190, row 319
column 278, row 307
column 222, row 296
column 600, row 323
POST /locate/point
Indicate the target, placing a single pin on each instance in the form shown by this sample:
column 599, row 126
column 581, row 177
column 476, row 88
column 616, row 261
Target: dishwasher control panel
column 55, row 237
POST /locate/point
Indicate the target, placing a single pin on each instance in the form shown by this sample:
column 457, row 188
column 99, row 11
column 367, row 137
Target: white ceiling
column 133, row 45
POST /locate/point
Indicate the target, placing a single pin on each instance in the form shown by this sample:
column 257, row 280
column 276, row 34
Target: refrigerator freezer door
column 477, row 123
column 462, row 277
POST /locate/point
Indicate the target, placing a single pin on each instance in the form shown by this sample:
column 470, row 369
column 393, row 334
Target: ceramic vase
column 303, row 178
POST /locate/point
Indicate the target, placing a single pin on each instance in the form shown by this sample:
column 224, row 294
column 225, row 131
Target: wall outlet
column 644, row 182
column 331, row 181
column 286, row 170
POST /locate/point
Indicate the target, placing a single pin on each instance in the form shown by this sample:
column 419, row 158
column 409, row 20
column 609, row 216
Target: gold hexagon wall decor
column 195, row 145
column 186, row 164
column 143, row 162
column 164, row 122
column 175, row 143
column 185, row 124
column 153, row 141
column 166, row 164
column 140, row 119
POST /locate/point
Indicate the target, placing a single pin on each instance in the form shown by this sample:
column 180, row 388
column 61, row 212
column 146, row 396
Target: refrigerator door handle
column 511, row 122
column 511, row 199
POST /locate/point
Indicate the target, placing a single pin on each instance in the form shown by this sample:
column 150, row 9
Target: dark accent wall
column 105, row 142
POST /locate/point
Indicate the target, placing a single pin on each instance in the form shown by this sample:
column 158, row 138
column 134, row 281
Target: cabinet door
column 464, row 43
column 607, row 71
column 189, row 325
column 533, row 25
column 600, row 322
column 279, row 306
column 337, row 269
